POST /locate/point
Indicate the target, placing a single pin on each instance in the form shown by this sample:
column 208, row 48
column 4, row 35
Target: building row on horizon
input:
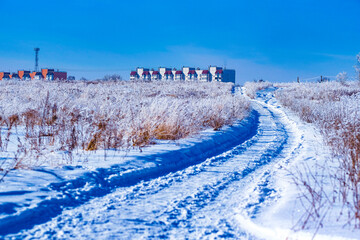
column 45, row 74
column 212, row 74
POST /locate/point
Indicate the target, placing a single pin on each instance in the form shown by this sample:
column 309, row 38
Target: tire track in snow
column 186, row 203
column 222, row 227
column 92, row 185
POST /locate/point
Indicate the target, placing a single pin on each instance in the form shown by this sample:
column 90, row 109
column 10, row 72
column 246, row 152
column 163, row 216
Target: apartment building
column 45, row 74
column 212, row 74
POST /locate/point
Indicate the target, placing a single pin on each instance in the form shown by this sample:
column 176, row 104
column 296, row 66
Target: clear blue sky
column 275, row 40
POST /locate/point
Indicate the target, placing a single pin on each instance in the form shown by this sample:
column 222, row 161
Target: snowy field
column 234, row 183
column 333, row 107
column 53, row 123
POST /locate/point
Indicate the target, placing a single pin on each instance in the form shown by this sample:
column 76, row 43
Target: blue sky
column 274, row 40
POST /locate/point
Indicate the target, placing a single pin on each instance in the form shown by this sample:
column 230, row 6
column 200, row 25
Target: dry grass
column 334, row 108
column 252, row 87
column 88, row 116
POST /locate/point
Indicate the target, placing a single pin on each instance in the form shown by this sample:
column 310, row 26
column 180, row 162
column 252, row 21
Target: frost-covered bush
column 333, row 107
column 63, row 116
column 357, row 66
column 342, row 77
column 252, row 87
column 112, row 77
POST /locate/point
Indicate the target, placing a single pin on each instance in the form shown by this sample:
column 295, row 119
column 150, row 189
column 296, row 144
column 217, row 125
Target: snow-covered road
column 216, row 197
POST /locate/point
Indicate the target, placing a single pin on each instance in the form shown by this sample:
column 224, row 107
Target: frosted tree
column 357, row 66
column 113, row 77
column 342, row 77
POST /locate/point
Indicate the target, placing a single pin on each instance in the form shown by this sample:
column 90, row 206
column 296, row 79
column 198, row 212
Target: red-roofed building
column 205, row 76
column 5, row 75
column 15, row 76
column 188, row 74
column 45, row 74
column 24, row 75
column 38, row 76
column 192, row 75
column 168, row 75
column 146, row 76
column 162, row 71
column 179, row 75
column 155, row 75
column 51, row 74
column 134, row 75
column 140, row 74
column 218, row 74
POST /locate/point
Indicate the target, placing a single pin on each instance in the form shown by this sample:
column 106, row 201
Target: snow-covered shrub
column 252, row 87
column 64, row 116
column 342, row 77
column 335, row 109
column 112, row 77
column 357, row 66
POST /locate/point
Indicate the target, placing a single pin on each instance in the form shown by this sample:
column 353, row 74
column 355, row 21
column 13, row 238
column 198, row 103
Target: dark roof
column 220, row 71
column 205, row 72
column 133, row 73
column 155, row 73
column 178, row 72
column 146, row 73
column 168, row 72
column 38, row 74
column 192, row 72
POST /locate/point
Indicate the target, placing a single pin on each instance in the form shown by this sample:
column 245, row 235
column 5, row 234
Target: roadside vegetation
column 252, row 87
column 38, row 118
column 334, row 108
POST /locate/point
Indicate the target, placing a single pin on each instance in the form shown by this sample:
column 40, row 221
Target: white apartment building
column 155, row 76
column 212, row 74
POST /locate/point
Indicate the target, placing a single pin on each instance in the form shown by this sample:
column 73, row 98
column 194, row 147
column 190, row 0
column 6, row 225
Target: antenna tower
column 36, row 59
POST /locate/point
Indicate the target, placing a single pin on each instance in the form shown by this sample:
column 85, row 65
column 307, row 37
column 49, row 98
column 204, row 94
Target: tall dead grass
column 334, row 108
column 88, row 116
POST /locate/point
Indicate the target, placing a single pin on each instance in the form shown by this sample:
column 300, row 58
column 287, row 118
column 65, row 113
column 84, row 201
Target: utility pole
column 321, row 80
column 36, row 59
column 298, row 79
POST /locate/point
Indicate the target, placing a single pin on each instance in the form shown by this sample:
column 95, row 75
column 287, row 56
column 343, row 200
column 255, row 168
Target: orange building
column 47, row 74
column 4, row 75
column 24, row 75
column 51, row 74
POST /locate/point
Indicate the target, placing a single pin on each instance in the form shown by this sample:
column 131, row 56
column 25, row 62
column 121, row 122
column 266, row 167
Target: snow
column 310, row 155
column 234, row 183
column 49, row 122
column 69, row 183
